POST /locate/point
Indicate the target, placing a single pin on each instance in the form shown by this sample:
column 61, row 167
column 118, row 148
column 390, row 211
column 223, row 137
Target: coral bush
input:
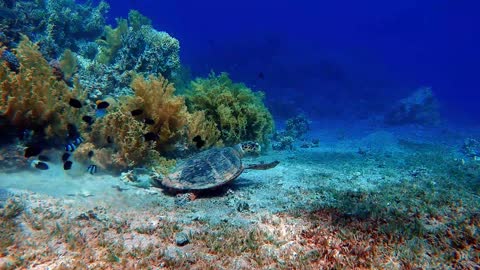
column 119, row 137
column 199, row 125
column 155, row 96
column 33, row 97
column 237, row 111
column 111, row 42
column 68, row 64
column 119, row 143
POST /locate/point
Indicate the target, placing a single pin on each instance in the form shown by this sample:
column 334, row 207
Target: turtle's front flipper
column 262, row 166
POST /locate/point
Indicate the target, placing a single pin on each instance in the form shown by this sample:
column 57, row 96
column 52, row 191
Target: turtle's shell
column 206, row 170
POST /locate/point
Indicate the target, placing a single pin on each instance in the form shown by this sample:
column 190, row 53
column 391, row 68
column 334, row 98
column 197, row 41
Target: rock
column 419, row 108
column 181, row 239
column 138, row 177
column 243, row 207
column 471, row 148
column 183, row 199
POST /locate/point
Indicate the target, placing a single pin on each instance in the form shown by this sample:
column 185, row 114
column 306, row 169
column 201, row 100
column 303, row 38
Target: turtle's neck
column 238, row 148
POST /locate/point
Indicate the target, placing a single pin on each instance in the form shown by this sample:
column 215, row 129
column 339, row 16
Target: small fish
column 40, row 165
column 43, row 158
column 65, row 156
column 88, row 119
column 90, row 153
column 136, row 112
column 99, row 113
column 198, row 141
column 70, row 147
column 102, row 105
column 78, row 140
column 33, row 150
column 109, row 139
column 92, row 169
column 72, row 131
column 75, row 103
column 67, row 165
column 149, row 121
column 150, row 136
column 26, row 135
column 261, row 76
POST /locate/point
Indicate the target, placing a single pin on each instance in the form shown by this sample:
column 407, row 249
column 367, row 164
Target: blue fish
column 67, row 165
column 40, row 165
column 78, row 140
column 99, row 113
column 70, row 147
column 65, row 156
column 92, row 169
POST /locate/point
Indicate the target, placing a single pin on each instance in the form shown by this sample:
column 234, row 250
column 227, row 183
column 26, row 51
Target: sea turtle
column 211, row 168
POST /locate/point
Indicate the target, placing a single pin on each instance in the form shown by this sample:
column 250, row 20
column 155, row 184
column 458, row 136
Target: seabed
column 364, row 199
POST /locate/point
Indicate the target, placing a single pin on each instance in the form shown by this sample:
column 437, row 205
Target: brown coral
column 124, row 135
column 33, row 98
column 155, row 96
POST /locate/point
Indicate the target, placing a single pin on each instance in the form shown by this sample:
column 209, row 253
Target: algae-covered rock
column 419, row 108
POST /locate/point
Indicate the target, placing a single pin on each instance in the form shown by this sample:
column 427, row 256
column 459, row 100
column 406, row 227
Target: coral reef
column 295, row 130
column 133, row 46
column 73, row 54
column 297, row 126
column 419, row 108
column 237, row 111
column 55, row 24
column 33, row 98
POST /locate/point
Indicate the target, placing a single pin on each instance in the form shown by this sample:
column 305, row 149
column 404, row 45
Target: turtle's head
column 248, row 147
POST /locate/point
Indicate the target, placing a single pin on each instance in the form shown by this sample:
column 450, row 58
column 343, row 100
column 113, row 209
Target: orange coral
column 33, row 97
column 125, row 135
column 155, row 96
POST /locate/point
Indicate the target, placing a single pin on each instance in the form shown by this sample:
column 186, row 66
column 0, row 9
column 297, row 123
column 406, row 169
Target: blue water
column 335, row 58
column 370, row 158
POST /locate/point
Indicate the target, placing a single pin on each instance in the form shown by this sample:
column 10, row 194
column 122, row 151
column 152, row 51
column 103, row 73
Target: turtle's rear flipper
column 262, row 166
